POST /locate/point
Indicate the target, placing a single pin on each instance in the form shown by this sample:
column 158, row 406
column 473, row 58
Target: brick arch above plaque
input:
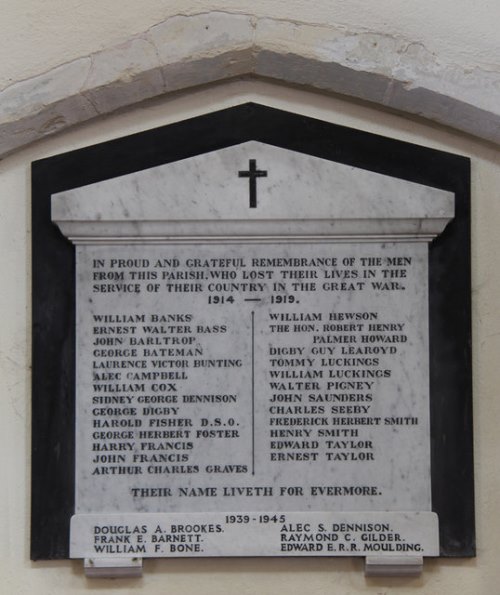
column 264, row 329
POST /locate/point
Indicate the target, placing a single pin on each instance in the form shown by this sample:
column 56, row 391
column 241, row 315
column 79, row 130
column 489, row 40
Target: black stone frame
column 53, row 384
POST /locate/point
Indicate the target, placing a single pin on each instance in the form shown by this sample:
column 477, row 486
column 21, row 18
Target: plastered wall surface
column 37, row 35
column 480, row 576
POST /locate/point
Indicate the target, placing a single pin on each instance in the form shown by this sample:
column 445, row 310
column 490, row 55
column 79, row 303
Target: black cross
column 252, row 174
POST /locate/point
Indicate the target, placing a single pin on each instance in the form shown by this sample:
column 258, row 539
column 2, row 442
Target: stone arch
column 187, row 51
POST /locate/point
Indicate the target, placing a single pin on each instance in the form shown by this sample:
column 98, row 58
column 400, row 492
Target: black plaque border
column 53, row 347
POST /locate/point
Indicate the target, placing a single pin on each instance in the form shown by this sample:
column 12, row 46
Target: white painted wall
column 260, row 577
column 36, row 35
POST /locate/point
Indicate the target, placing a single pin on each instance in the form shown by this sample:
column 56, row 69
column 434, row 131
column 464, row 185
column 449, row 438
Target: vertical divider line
column 253, row 393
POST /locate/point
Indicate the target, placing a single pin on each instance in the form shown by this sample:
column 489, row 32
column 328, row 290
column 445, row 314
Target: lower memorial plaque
column 261, row 350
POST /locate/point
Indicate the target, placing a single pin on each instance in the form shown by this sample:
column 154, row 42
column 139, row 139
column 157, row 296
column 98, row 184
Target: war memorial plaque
column 262, row 364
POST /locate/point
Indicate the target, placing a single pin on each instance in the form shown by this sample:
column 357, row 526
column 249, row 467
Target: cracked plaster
column 186, row 51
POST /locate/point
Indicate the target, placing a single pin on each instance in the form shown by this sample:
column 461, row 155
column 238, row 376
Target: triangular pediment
column 248, row 183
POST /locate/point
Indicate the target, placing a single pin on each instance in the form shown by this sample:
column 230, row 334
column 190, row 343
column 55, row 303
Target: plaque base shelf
column 401, row 566
column 113, row 567
column 375, row 566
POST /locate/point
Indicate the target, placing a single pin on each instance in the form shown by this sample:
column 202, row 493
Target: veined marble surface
column 381, row 534
column 206, row 196
column 224, row 377
column 253, row 348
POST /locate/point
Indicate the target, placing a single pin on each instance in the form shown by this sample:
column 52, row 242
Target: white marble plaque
column 239, row 377
column 252, row 359
column 255, row 534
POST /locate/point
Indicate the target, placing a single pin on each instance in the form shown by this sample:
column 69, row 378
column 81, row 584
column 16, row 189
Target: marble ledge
column 224, row 231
